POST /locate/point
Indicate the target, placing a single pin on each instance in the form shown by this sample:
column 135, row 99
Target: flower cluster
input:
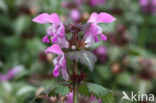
column 148, row 6
column 57, row 35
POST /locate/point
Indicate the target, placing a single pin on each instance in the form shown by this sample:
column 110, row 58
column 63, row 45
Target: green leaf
column 98, row 91
column 124, row 79
column 104, row 69
column 84, row 57
column 62, row 90
column 58, row 90
column 22, row 23
column 46, row 91
column 3, row 6
column 24, row 90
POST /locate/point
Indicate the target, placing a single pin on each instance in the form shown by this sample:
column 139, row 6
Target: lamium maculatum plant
column 71, row 45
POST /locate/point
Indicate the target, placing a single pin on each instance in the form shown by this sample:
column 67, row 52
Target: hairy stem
column 75, row 91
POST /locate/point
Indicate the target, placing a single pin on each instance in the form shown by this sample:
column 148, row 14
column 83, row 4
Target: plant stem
column 75, row 95
column 75, row 67
column 75, row 91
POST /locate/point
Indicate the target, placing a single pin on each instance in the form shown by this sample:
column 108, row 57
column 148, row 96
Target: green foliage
column 15, row 92
column 21, row 23
column 20, row 42
column 124, row 79
column 98, row 91
column 101, row 69
column 85, row 57
column 3, row 6
column 55, row 91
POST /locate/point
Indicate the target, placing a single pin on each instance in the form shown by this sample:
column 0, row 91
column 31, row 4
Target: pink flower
column 75, row 15
column 96, row 2
column 56, row 31
column 92, row 98
column 148, row 6
column 79, row 1
column 11, row 73
column 93, row 30
column 46, row 18
column 154, row 2
column 143, row 2
column 69, row 98
column 59, row 62
column 101, row 53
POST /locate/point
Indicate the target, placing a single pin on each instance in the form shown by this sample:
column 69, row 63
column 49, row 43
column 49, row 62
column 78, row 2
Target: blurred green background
column 128, row 63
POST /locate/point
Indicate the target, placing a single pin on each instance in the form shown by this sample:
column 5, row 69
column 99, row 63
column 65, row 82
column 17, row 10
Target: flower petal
column 42, row 18
column 69, row 98
column 64, row 73
column 3, row 78
column 154, row 2
column 46, row 18
column 62, row 61
column 96, row 39
column 45, row 39
column 103, row 37
column 93, row 18
column 93, row 30
column 56, row 72
column 54, row 49
column 63, row 42
column 61, row 30
column 105, row 18
column 89, row 41
column 55, row 18
column 54, row 39
column 143, row 2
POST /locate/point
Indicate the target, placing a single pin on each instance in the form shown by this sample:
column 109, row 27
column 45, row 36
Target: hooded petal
column 105, row 18
column 46, row 18
column 101, row 18
column 93, row 18
column 54, row 49
column 55, row 18
column 93, row 30
column 56, row 71
column 42, row 18
column 45, row 39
